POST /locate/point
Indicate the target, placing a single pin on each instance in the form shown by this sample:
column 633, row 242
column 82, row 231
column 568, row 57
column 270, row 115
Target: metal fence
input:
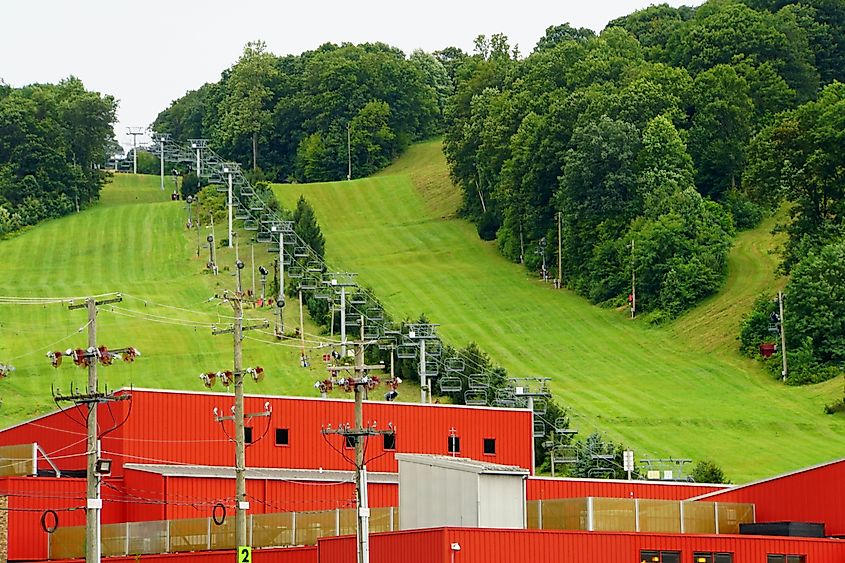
column 18, row 460
column 638, row 515
column 198, row 534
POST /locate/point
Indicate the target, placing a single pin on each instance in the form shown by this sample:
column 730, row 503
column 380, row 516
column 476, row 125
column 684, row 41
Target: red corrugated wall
column 30, row 497
column 509, row 546
column 812, row 495
column 276, row 555
column 178, row 427
column 184, row 431
column 542, row 488
column 193, row 497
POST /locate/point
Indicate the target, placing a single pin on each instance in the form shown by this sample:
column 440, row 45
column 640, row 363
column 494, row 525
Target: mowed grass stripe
column 134, row 242
column 676, row 391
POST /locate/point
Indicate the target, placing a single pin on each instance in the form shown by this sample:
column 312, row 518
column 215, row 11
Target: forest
column 53, row 139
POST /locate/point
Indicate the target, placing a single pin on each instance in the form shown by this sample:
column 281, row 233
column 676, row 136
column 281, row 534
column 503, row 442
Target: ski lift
column 315, row 267
column 300, row 251
column 406, row 351
column 475, row 397
column 353, row 320
column 450, row 384
column 251, row 224
column 600, row 473
column 322, row 293
column 375, row 314
column 358, row 298
column 455, row 364
column 540, row 406
column 371, row 331
column 479, row 381
column 295, row 272
column 308, row 284
column 434, row 348
column 241, row 214
column 505, row 397
column 392, row 329
column 264, row 236
column 565, row 454
column 561, row 424
column 539, row 428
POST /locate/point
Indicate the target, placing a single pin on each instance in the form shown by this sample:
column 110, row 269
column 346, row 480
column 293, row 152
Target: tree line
column 305, row 117
column 642, row 140
column 53, row 137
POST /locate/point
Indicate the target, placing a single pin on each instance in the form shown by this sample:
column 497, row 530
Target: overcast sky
column 149, row 53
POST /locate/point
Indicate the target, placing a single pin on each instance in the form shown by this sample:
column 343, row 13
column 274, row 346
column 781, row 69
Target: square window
column 282, row 437
column 349, row 442
column 724, row 558
column 454, row 444
column 489, row 446
column 670, row 557
column 248, row 435
column 650, row 556
column 795, row 559
column 389, row 441
column 776, row 558
column 702, row 557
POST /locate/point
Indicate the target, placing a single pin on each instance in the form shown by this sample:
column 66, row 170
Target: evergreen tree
column 305, row 225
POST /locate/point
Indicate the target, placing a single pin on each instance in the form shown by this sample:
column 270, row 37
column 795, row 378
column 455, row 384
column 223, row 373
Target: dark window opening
column 282, row 437
column 248, row 435
column 660, row 556
column 349, row 441
column 772, row 558
column 712, row 557
column 454, row 444
column 389, row 441
column 489, row 446
column 796, row 559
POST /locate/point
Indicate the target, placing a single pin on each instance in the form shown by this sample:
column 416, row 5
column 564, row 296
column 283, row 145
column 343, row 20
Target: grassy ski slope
column 680, row 391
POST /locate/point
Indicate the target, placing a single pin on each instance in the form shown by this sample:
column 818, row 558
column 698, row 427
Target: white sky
column 148, row 54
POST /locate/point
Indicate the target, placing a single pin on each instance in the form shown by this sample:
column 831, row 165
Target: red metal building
column 814, row 494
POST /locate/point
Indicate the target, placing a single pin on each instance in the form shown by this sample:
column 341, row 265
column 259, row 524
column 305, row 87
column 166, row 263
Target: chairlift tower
column 535, row 392
column 161, row 139
column 419, row 334
column 135, row 131
column 198, row 145
column 228, row 168
column 278, row 230
column 339, row 282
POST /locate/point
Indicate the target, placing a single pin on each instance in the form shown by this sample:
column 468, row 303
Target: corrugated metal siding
column 543, row 488
column 408, row 547
column 493, row 546
column 508, row 546
column 183, row 431
column 60, row 435
column 29, row 497
column 144, row 494
column 274, row 555
column 814, row 495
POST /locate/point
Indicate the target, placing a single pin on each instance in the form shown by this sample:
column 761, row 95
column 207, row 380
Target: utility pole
column 360, row 382
column 784, row 371
column 91, row 398
column 135, row 131
column 559, row 254
column 633, row 281
column 349, row 151
column 237, row 329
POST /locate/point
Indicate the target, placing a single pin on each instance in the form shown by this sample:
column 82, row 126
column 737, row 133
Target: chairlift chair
column 353, row 320
column 479, row 381
column 375, row 314
column 434, row 348
column 372, row 331
column 540, row 406
column 455, row 364
column 505, row 397
column 358, row 298
column 300, row 251
column 539, row 428
column 295, row 272
column 600, row 473
column 450, row 384
column 565, row 454
column 251, row 225
column 475, row 397
column 308, row 284
column 406, row 351
column 263, row 237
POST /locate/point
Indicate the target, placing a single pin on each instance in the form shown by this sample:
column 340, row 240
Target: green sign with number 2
column 244, row 554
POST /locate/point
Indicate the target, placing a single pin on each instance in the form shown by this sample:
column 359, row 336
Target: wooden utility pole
column 92, row 397
column 633, row 282
column 237, row 329
column 559, row 254
column 360, row 383
column 784, row 371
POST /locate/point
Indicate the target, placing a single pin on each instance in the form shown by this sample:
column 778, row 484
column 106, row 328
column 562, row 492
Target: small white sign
column 95, row 503
column 243, row 505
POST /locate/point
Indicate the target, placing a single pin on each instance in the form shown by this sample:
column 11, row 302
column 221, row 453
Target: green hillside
column 133, row 242
column 679, row 391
